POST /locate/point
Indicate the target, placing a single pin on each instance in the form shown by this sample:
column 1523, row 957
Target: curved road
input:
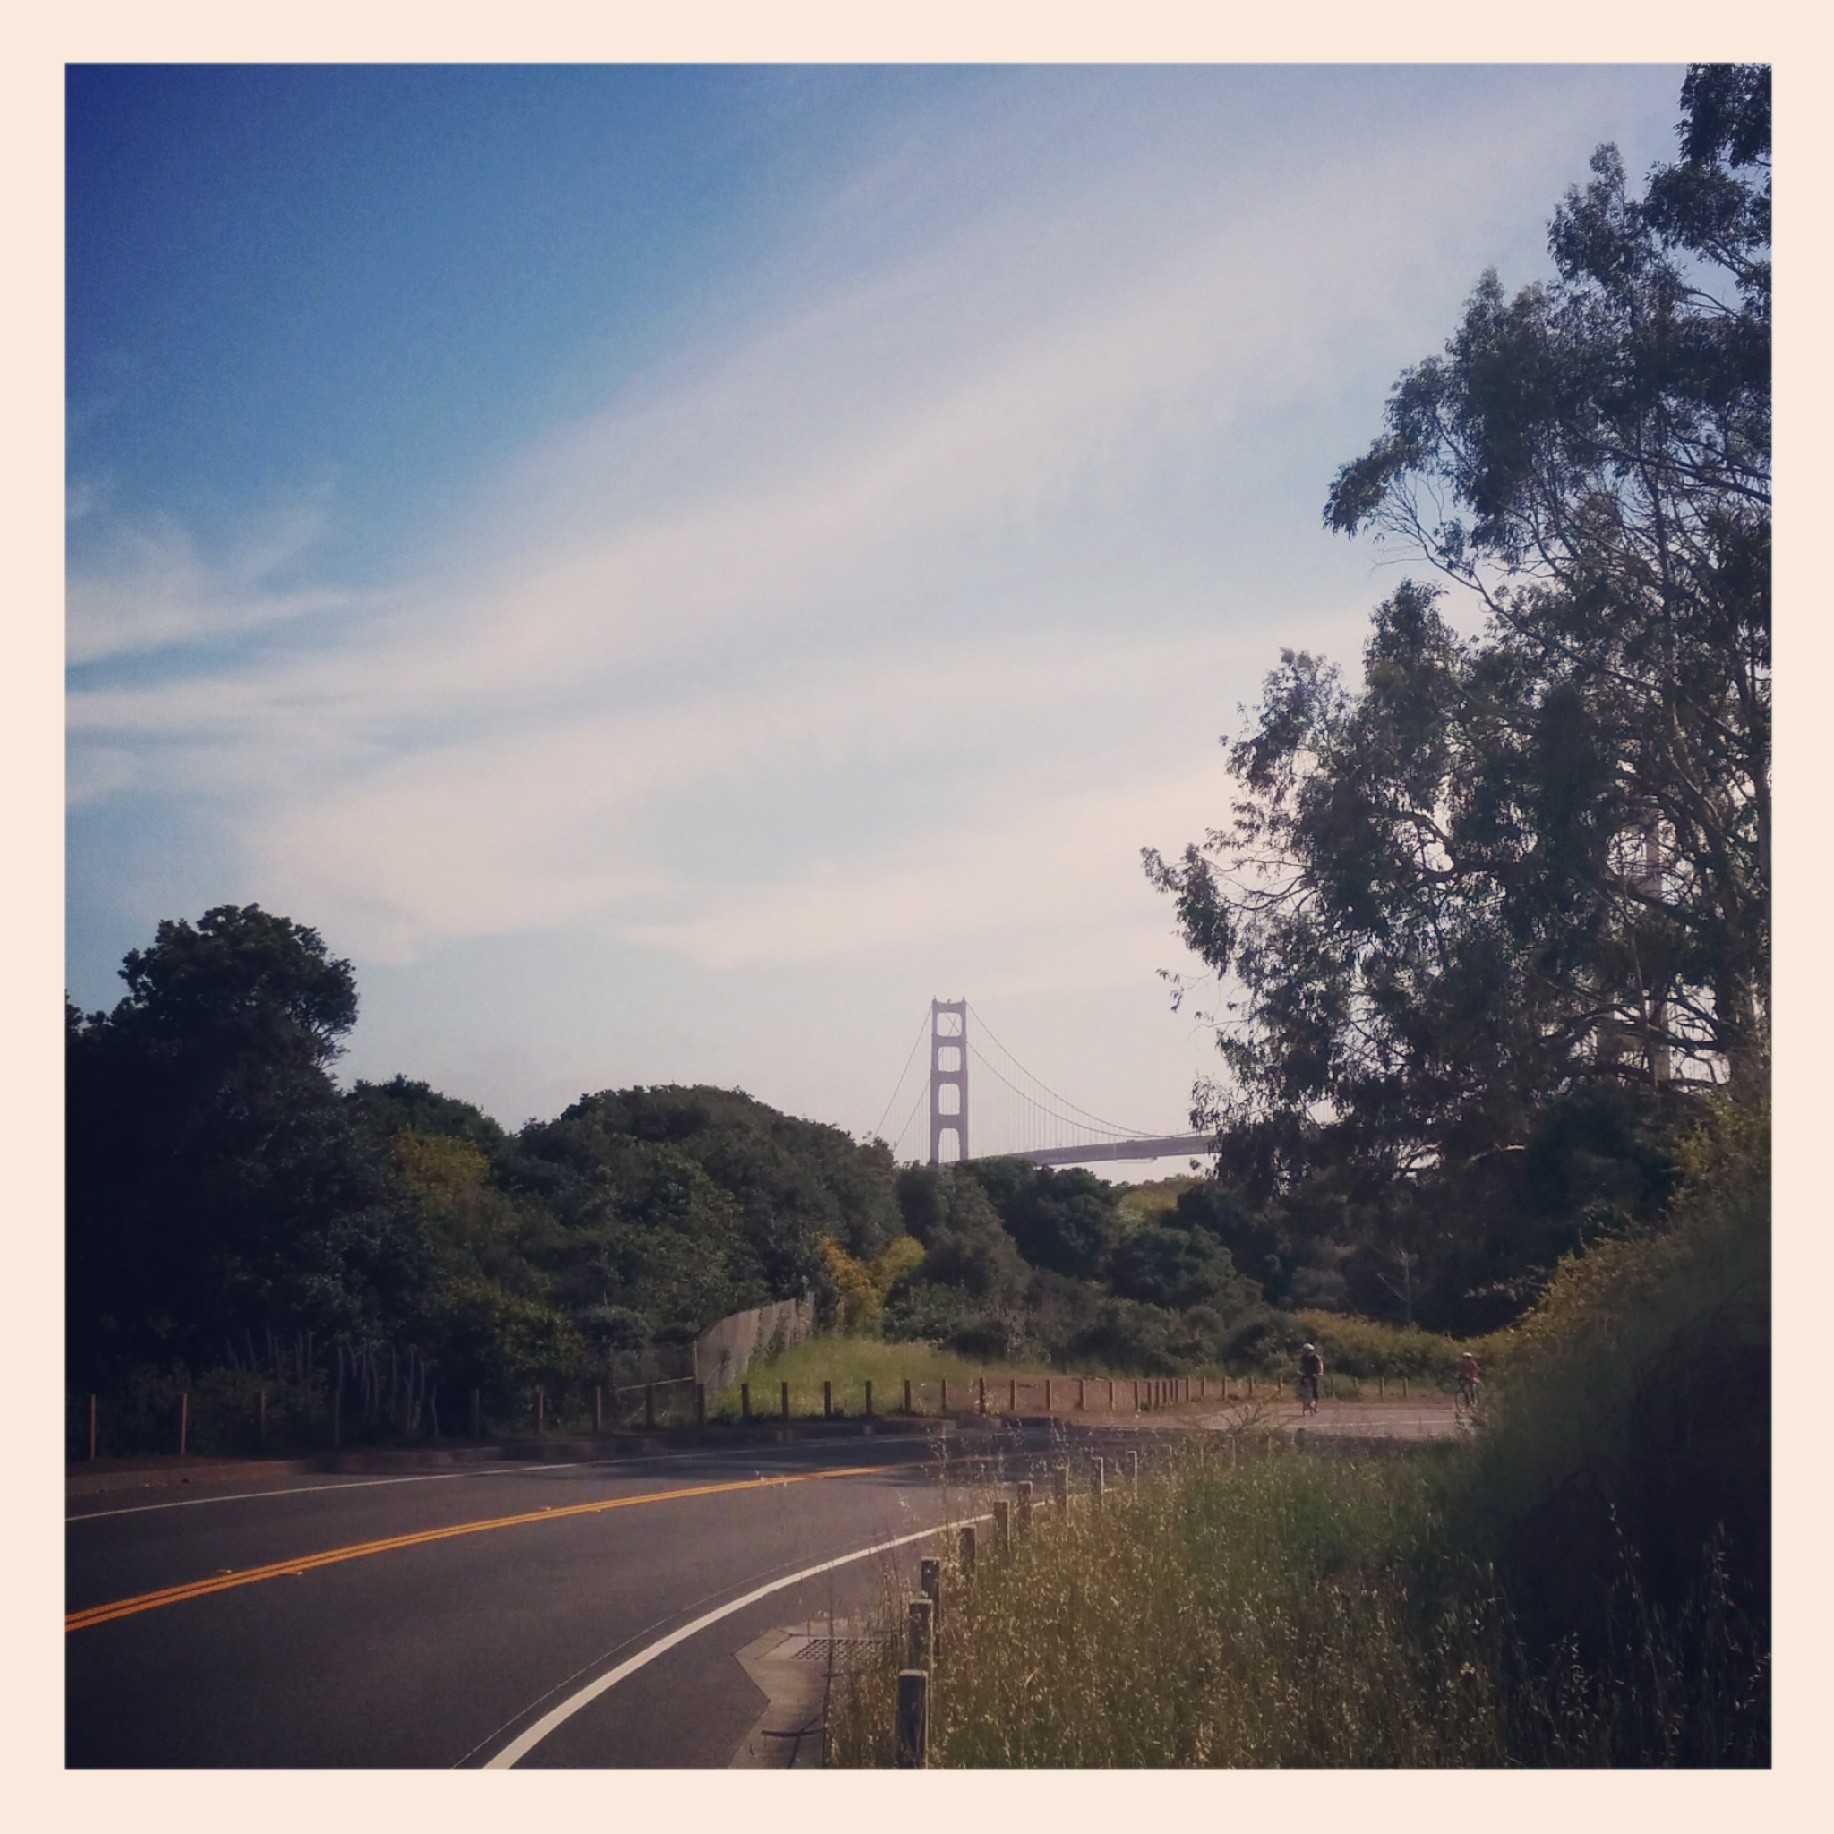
column 442, row 1618
column 588, row 1612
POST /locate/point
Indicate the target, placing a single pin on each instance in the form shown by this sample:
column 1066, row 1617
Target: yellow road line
column 224, row 1582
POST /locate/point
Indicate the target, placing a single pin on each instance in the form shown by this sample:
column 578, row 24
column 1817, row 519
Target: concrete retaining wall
column 724, row 1351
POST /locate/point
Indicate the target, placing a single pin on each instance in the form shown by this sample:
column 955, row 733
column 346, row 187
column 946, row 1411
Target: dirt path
column 1420, row 1417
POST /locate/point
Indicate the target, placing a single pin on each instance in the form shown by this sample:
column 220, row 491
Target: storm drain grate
column 844, row 1652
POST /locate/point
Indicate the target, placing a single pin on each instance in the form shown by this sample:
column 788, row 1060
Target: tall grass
column 1587, row 1582
column 1258, row 1607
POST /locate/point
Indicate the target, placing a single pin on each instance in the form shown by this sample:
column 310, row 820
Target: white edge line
column 256, row 1496
column 519, row 1747
column 429, row 1477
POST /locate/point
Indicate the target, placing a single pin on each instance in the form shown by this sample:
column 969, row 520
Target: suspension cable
column 1113, row 1127
column 1113, row 1132
column 902, row 1074
column 908, row 1119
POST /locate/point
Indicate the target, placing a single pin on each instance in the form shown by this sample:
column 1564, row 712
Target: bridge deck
column 1166, row 1146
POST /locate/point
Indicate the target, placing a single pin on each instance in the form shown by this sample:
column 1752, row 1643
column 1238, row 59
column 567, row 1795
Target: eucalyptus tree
column 1530, row 848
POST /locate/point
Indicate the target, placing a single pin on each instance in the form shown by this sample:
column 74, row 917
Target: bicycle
column 1464, row 1403
column 1308, row 1394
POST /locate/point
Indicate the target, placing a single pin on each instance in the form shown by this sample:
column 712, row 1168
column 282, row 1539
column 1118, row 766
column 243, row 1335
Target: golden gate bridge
column 1018, row 1114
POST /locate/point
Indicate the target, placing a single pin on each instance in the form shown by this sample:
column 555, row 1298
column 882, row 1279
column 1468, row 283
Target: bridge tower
column 948, row 1076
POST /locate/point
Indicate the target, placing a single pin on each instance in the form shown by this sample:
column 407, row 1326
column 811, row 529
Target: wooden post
column 869, row 1400
column 929, row 1583
column 942, row 1406
column 184, row 1420
column 913, row 1720
column 1404, row 1388
column 477, row 1415
column 1002, row 1526
column 1251, row 1385
column 966, row 1545
column 1098, row 1483
column 260, row 1421
column 1022, row 1493
column 337, row 1416
column 92, row 1429
column 649, row 1406
column 745, row 1402
column 981, row 1402
column 917, row 1634
column 827, row 1400
column 1136, row 1397
column 700, row 1404
column 907, row 1394
column 598, row 1408
column 541, row 1403
column 1082, row 1392
column 1012, row 1394
column 1133, row 1468
column 785, row 1400
column 1381, row 1384
column 1047, row 1394
column 1060, row 1482
column 1110, row 1381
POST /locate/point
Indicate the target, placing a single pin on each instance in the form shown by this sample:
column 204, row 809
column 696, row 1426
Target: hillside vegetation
column 1586, row 1584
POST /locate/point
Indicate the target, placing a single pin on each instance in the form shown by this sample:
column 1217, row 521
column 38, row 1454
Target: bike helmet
column 1308, row 1346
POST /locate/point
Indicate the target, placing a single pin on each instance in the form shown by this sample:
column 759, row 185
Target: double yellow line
column 306, row 1563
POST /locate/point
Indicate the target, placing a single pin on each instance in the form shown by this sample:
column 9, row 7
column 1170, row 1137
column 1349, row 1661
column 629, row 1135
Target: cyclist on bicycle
column 1467, row 1380
column 1311, row 1368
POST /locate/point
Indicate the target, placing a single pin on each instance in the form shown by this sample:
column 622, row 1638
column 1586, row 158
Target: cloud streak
column 784, row 558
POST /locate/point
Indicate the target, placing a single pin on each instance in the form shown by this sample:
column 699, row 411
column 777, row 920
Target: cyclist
column 1311, row 1367
column 1467, row 1382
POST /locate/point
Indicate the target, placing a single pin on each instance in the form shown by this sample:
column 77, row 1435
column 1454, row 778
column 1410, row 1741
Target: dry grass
column 1249, row 1607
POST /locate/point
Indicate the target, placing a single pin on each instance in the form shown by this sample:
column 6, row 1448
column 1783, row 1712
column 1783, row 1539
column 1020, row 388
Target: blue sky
column 668, row 569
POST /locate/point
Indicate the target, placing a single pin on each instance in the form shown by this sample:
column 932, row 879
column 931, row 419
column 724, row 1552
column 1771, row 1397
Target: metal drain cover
column 843, row 1652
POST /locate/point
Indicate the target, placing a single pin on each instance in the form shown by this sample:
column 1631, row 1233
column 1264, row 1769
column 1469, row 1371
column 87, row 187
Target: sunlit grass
column 1250, row 1607
column 847, row 1364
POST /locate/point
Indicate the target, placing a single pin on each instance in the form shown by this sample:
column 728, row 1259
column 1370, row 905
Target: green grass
column 1353, row 1345
column 848, row 1364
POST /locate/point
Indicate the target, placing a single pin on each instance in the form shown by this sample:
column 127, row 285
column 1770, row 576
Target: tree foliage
column 1518, row 861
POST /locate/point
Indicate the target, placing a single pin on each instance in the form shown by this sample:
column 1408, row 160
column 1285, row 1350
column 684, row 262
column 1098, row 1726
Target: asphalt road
column 513, row 1613
column 319, row 1647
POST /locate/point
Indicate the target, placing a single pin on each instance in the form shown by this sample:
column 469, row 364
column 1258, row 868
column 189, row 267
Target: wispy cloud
column 772, row 557
column 153, row 590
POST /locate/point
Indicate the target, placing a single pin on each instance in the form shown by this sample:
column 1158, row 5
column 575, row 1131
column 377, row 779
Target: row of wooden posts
column 924, row 1624
column 1149, row 1394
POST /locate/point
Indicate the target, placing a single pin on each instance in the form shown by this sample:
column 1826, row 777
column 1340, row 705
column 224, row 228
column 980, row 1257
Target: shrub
column 1635, row 1423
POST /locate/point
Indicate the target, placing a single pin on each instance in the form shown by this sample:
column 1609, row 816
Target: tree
column 215, row 1182
column 1518, row 861
column 1063, row 1221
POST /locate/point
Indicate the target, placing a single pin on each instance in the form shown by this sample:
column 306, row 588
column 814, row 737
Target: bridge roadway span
column 327, row 1621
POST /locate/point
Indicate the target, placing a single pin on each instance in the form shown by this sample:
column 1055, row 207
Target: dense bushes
column 1635, row 1423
